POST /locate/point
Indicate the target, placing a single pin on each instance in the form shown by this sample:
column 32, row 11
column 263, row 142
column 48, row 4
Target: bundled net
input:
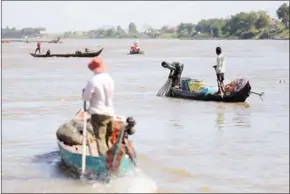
column 70, row 133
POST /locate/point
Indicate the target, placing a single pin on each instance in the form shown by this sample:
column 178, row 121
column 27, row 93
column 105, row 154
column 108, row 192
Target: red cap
column 97, row 65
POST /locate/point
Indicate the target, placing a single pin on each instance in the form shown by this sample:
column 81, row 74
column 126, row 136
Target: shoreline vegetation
column 253, row 25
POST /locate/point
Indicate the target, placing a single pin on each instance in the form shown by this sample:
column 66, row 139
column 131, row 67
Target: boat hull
column 82, row 55
column 136, row 53
column 96, row 165
column 179, row 93
column 241, row 93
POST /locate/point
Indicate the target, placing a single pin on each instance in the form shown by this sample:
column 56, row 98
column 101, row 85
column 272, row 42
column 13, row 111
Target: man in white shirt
column 220, row 69
column 99, row 92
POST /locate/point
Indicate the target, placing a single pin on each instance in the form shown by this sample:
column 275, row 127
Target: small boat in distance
column 139, row 52
column 78, row 54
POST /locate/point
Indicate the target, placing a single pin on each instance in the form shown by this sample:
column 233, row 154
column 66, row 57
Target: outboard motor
column 129, row 128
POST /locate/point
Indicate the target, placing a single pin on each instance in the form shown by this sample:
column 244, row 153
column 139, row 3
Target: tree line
column 25, row 32
column 243, row 25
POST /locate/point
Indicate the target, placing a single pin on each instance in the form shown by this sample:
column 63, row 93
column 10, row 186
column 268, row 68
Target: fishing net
column 165, row 89
column 70, row 133
column 236, row 85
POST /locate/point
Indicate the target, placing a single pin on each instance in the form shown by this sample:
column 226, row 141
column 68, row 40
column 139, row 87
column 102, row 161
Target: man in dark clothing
column 38, row 47
column 177, row 73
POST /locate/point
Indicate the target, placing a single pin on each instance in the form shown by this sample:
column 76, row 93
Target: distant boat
column 139, row 52
column 77, row 54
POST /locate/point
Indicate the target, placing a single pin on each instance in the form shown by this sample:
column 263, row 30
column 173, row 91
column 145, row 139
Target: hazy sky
column 59, row 16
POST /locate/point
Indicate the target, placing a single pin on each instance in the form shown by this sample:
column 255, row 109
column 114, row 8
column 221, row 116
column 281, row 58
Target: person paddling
column 38, row 47
column 220, row 70
column 99, row 92
column 135, row 48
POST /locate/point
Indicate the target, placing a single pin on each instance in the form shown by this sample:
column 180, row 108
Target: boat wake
column 135, row 181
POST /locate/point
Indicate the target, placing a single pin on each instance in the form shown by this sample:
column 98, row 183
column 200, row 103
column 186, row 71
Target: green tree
column 263, row 20
column 111, row 32
column 185, row 30
column 120, row 31
column 283, row 14
column 211, row 27
column 132, row 28
column 151, row 32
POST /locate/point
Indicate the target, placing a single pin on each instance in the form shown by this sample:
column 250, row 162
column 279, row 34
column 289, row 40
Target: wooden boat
column 77, row 54
column 119, row 159
column 236, row 91
column 5, row 41
column 139, row 52
column 54, row 41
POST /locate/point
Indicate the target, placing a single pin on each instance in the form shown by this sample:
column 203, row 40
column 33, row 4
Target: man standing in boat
column 220, row 70
column 38, row 47
column 99, row 92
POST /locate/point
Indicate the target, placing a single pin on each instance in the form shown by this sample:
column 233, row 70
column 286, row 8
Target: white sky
column 60, row 16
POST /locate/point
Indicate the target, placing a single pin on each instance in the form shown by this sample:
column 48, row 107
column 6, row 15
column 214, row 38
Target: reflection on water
column 240, row 118
column 182, row 145
column 220, row 115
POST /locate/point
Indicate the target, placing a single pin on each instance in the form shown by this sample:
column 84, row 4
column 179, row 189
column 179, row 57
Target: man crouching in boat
column 99, row 92
column 135, row 48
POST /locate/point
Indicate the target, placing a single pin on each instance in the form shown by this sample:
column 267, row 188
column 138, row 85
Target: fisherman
column 99, row 92
column 220, row 70
column 177, row 74
column 135, row 48
column 38, row 47
column 47, row 52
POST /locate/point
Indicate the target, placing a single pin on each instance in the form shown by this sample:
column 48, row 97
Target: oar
column 79, row 116
column 131, row 157
column 84, row 153
column 259, row 94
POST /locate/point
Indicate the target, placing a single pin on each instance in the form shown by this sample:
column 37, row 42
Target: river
column 182, row 145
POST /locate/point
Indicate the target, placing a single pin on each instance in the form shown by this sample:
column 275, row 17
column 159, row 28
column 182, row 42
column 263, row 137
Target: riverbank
column 279, row 34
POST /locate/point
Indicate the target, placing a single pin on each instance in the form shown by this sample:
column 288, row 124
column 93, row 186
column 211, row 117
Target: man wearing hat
column 99, row 92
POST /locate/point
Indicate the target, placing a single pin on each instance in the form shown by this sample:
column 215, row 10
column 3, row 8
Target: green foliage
column 283, row 14
column 132, row 28
column 243, row 25
column 29, row 32
column 185, row 30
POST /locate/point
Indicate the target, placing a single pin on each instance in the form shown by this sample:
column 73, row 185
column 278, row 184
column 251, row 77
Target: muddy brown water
column 183, row 146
